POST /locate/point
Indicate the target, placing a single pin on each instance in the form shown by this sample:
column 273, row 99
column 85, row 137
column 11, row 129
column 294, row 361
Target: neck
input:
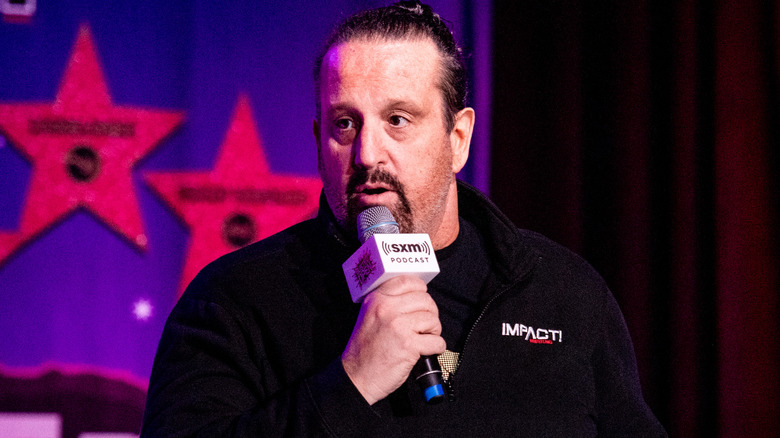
column 449, row 228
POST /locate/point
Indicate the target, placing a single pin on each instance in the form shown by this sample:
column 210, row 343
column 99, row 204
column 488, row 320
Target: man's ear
column 460, row 138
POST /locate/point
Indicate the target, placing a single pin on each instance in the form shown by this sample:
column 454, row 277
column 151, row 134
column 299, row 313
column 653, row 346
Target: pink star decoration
column 83, row 149
column 239, row 202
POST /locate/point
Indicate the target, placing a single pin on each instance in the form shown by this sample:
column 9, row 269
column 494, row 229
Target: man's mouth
column 374, row 191
column 378, row 187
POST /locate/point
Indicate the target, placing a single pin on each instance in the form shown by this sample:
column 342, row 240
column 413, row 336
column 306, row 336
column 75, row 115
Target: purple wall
column 69, row 292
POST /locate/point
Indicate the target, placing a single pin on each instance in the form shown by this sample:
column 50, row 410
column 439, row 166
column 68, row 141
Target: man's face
column 381, row 134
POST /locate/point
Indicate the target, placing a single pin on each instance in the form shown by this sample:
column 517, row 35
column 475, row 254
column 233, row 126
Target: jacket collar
column 510, row 252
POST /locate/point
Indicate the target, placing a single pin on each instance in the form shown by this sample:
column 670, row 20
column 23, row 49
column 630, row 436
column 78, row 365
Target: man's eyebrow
column 408, row 105
column 340, row 108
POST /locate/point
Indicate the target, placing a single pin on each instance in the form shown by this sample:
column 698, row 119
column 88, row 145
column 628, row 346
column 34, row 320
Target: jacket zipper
column 450, row 383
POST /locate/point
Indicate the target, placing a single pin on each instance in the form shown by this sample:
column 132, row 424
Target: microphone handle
column 427, row 372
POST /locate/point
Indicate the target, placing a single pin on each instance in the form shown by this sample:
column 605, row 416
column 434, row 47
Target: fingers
column 430, row 345
column 402, row 284
column 401, row 295
column 416, row 323
column 398, row 323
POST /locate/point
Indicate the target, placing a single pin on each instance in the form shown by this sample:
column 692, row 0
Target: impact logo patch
column 530, row 334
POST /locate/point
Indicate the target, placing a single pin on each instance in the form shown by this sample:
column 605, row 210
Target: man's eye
column 397, row 120
column 345, row 124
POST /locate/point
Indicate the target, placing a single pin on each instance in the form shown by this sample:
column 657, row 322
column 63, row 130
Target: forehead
column 408, row 66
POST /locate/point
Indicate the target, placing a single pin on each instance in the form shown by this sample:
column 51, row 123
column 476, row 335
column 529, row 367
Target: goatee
column 402, row 210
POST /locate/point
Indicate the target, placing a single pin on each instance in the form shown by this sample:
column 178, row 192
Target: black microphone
column 386, row 253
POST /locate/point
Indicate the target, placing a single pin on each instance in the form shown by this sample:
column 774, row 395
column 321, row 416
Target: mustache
column 363, row 176
column 401, row 210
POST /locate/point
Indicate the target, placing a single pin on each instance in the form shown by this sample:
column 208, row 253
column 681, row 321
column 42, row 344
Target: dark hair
column 406, row 19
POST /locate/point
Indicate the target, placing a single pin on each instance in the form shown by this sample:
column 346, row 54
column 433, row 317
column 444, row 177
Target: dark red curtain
column 644, row 135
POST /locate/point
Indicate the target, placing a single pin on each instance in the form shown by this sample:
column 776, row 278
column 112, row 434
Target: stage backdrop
column 139, row 141
column 651, row 145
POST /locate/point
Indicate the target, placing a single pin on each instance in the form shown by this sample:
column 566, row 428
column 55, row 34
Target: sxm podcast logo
column 422, row 248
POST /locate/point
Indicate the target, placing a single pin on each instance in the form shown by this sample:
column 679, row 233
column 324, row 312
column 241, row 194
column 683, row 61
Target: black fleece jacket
column 253, row 347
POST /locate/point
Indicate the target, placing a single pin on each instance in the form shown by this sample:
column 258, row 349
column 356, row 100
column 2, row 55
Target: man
column 266, row 340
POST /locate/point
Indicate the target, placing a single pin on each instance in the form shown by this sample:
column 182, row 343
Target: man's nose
column 369, row 147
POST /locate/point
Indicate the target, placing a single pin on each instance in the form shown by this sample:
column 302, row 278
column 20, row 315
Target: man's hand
column 398, row 323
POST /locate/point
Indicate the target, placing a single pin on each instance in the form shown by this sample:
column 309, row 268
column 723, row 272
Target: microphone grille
column 375, row 220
